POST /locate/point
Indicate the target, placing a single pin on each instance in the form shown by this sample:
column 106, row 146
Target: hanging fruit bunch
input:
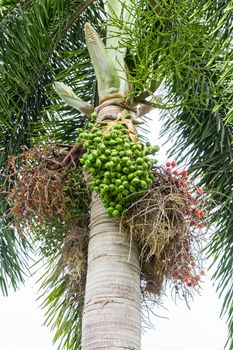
column 187, row 269
column 36, row 185
column 168, row 223
column 120, row 168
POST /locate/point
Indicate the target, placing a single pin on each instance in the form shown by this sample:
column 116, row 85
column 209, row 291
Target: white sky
column 197, row 329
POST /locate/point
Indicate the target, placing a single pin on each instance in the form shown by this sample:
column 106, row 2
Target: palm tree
column 182, row 47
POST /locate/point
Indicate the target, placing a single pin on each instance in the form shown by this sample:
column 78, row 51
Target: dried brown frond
column 34, row 181
column 75, row 260
column 161, row 222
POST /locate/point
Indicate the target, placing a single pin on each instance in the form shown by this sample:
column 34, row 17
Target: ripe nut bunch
column 33, row 184
column 193, row 197
column 120, row 168
column 186, row 270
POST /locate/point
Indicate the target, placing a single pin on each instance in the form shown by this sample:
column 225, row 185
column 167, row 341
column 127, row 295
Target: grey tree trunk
column 112, row 305
column 112, row 308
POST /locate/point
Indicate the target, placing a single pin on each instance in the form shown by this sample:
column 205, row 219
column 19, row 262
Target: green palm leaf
column 63, row 312
column 185, row 47
column 41, row 41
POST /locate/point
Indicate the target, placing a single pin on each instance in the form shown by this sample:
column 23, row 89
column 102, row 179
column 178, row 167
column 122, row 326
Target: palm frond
column 204, row 133
column 63, row 312
column 41, row 41
column 14, row 257
column 186, row 48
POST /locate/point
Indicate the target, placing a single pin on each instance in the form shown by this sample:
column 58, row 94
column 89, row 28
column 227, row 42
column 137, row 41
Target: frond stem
column 75, row 16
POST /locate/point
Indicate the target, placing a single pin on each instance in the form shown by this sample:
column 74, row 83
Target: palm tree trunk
column 112, row 307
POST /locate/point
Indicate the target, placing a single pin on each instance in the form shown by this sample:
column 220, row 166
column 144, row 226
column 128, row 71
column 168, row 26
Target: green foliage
column 62, row 302
column 30, row 40
column 77, row 196
column 184, row 46
column 167, row 38
column 13, row 258
column 41, row 41
column 158, row 41
column 204, row 139
column 63, row 310
column 120, row 168
column 204, row 133
column 49, row 234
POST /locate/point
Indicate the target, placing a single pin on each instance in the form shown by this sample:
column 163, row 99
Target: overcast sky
column 196, row 329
